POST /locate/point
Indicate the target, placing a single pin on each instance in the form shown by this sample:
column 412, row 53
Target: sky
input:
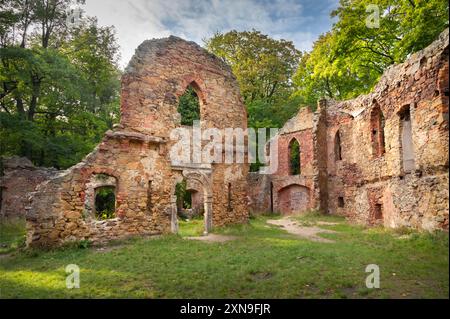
column 299, row 21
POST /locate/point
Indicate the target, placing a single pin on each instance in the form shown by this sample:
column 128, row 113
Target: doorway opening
column 190, row 208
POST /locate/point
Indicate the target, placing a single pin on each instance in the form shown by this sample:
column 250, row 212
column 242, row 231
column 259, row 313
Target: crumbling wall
column 281, row 191
column 260, row 193
column 414, row 193
column 136, row 154
column 389, row 163
column 18, row 179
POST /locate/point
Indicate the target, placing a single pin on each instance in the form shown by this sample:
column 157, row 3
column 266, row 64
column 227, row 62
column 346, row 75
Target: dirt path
column 213, row 238
column 309, row 232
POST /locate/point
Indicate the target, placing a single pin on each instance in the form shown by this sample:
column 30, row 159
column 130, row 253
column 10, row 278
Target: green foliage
column 84, row 244
column 105, row 202
column 59, row 86
column 189, row 107
column 349, row 60
column 264, row 68
column 294, row 157
column 12, row 235
column 183, row 195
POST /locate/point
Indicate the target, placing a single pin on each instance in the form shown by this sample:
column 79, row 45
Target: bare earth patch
column 326, row 223
column 308, row 232
column 213, row 238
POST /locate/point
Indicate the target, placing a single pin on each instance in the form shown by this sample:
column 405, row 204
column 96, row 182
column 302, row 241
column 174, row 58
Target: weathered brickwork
column 381, row 158
column 134, row 157
column 19, row 177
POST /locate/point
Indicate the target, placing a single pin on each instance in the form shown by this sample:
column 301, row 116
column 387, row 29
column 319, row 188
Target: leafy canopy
column 349, row 59
column 59, row 83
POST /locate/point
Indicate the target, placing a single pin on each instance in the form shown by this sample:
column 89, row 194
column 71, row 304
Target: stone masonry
column 378, row 159
column 134, row 157
column 18, row 178
column 381, row 158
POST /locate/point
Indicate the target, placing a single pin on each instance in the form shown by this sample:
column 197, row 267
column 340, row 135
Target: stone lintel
column 136, row 137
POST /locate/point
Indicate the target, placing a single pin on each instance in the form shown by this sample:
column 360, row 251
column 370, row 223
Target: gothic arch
column 293, row 198
column 196, row 83
column 200, row 179
column 294, row 157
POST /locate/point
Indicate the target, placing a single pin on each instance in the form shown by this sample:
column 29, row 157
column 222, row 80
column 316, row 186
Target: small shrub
column 84, row 244
column 403, row 230
column 105, row 214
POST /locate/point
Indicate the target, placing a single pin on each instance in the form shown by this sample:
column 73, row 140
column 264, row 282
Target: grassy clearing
column 264, row 262
column 12, row 235
column 192, row 227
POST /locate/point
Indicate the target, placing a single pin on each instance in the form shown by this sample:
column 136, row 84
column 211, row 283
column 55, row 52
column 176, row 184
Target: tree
column 263, row 66
column 59, row 84
column 349, row 60
column 189, row 107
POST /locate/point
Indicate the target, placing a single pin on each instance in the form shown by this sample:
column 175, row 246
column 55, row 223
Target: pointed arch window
column 294, row 157
column 189, row 106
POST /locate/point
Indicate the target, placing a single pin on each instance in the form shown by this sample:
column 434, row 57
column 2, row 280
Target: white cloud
column 138, row 20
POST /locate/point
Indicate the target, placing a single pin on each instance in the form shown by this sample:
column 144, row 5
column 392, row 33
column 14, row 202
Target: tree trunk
column 34, row 99
column 19, row 107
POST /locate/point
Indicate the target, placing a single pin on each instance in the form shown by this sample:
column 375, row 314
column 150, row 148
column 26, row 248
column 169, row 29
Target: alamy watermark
column 373, row 279
column 194, row 145
column 73, row 277
column 373, row 19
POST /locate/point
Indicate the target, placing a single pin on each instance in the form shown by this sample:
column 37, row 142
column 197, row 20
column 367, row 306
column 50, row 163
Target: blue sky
column 300, row 21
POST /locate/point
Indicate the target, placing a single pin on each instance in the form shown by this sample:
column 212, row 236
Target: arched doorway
column 293, row 199
column 192, row 201
column 189, row 200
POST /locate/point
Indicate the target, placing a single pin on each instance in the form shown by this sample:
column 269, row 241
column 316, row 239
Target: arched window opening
column 189, row 107
column 377, row 129
column 407, row 147
column 337, row 147
column 294, row 157
column 105, row 202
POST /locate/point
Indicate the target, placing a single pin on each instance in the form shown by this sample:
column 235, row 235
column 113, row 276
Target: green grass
column 264, row 262
column 192, row 227
column 12, row 235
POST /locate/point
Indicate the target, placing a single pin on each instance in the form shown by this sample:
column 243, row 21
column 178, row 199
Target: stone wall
column 381, row 158
column 282, row 191
column 19, row 177
column 391, row 174
column 260, row 191
column 136, row 154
